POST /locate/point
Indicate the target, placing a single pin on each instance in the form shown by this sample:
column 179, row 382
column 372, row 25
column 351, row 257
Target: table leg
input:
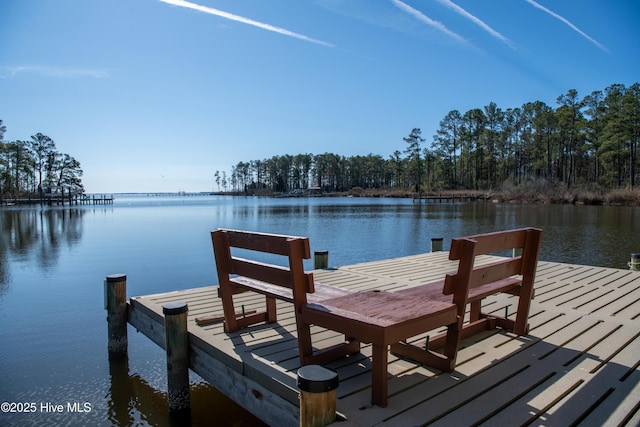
column 380, row 356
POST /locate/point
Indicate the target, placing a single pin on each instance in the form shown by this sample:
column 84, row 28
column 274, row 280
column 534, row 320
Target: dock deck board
column 578, row 364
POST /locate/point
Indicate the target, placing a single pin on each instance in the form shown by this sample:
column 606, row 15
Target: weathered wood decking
column 579, row 363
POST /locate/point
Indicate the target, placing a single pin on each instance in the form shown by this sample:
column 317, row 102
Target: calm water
column 53, row 262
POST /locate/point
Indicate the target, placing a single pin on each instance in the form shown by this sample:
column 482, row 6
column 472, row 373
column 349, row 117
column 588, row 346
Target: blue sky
column 156, row 95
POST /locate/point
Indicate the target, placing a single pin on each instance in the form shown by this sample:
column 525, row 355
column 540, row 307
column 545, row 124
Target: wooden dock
column 79, row 199
column 579, row 365
column 61, row 199
column 452, row 197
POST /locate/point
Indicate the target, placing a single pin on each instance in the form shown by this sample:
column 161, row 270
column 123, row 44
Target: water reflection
column 133, row 401
column 592, row 235
column 36, row 236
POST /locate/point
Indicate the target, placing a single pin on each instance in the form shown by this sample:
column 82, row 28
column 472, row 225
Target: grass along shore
column 526, row 194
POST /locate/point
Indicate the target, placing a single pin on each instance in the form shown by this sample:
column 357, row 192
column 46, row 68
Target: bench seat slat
column 274, row 274
column 433, row 290
column 497, row 270
column 322, row 291
column 483, row 275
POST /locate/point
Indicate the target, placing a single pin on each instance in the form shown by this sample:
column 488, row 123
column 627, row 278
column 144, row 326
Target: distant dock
column 452, row 197
column 97, row 199
column 61, row 199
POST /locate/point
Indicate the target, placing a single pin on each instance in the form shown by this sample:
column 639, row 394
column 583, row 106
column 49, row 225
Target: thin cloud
column 566, row 21
column 63, row 73
column 244, row 20
column 425, row 19
column 476, row 20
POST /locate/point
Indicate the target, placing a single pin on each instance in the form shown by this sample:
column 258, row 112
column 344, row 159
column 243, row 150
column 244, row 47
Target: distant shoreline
column 621, row 197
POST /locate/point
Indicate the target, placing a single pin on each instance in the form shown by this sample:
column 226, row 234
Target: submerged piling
column 177, row 346
column 317, row 386
column 116, row 305
column 436, row 244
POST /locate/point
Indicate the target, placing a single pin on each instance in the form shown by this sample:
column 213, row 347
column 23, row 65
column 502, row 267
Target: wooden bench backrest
column 295, row 249
column 465, row 250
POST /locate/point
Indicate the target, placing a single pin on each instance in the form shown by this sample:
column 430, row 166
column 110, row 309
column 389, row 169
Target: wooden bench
column 513, row 275
column 291, row 283
column 387, row 319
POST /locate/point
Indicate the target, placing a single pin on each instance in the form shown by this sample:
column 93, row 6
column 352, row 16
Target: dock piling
column 634, row 264
column 116, row 305
column 317, row 386
column 436, row 244
column 320, row 260
column 177, row 346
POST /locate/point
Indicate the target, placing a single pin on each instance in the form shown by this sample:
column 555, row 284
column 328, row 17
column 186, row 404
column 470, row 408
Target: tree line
column 36, row 166
column 583, row 142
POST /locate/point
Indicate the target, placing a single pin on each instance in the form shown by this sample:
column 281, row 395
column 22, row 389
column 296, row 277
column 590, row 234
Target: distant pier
column 60, row 199
column 97, row 199
column 452, row 197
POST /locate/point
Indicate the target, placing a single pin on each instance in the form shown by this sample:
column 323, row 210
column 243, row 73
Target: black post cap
column 173, row 308
column 115, row 278
column 317, row 379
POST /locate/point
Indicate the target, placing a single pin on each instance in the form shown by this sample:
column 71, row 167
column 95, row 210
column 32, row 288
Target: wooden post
column 317, row 395
column 634, row 264
column 116, row 305
column 436, row 244
column 320, row 260
column 177, row 346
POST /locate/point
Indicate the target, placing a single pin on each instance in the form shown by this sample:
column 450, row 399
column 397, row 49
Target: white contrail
column 566, row 21
column 244, row 20
column 64, row 73
column 478, row 21
column 424, row 18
